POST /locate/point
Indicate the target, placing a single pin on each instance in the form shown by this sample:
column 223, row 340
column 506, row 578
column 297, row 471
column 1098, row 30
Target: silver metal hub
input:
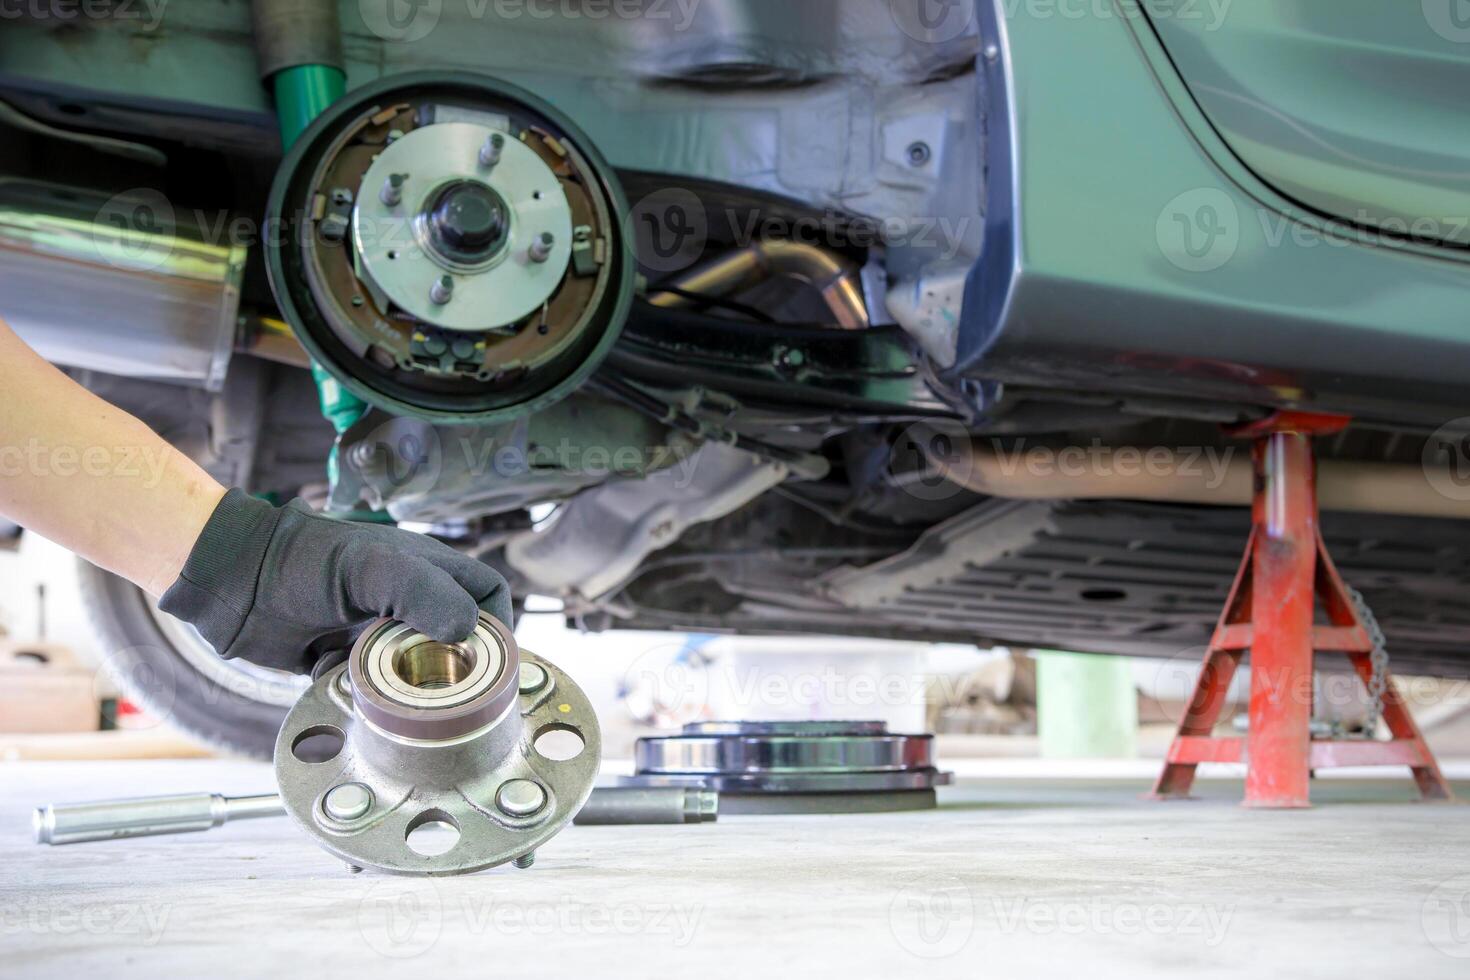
column 419, row 757
column 440, row 220
column 795, row 767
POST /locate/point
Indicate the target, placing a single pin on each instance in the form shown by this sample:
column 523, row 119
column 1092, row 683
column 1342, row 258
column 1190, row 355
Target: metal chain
column 1378, row 680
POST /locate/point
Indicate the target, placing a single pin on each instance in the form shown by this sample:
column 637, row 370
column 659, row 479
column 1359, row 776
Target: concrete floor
column 1008, row 878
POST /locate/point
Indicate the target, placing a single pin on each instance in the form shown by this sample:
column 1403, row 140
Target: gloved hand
column 283, row 587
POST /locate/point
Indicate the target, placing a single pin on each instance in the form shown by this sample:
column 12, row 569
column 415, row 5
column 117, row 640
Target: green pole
column 302, row 93
column 1086, row 706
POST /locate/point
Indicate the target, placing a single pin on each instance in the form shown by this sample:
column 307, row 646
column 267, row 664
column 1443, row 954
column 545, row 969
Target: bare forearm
column 93, row 478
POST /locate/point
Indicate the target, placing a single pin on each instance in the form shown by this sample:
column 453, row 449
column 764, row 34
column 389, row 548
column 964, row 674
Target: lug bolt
column 520, row 797
column 541, row 247
column 526, row 860
column 392, row 192
column 443, row 291
column 533, row 678
column 348, row 802
column 490, row 152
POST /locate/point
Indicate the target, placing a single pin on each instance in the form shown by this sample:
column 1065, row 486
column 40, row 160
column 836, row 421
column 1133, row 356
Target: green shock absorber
column 302, row 94
column 298, row 45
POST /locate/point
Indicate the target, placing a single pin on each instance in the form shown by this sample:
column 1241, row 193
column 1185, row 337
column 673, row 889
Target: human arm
column 279, row 586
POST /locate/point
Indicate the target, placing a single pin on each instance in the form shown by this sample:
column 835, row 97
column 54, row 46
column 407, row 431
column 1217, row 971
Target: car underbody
column 804, row 425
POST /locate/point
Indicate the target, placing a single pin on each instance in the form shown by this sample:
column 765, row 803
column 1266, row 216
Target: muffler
column 112, row 284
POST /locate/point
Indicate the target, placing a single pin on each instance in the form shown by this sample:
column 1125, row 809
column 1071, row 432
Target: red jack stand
column 1271, row 613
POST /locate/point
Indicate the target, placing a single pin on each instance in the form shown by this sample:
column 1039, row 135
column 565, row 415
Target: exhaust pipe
column 833, row 276
column 108, row 284
column 1342, row 485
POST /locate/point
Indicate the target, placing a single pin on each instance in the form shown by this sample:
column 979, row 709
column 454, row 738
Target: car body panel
column 1127, row 252
column 1355, row 108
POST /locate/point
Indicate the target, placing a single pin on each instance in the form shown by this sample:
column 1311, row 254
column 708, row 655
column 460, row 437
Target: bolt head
column 533, row 678
column 442, row 291
column 520, row 797
column 348, row 802
column 490, row 151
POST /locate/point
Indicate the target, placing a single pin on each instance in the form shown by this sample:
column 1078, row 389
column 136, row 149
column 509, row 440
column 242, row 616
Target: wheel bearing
column 434, row 733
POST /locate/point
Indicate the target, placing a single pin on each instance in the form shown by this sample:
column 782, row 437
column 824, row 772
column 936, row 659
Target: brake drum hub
column 795, row 766
column 483, row 225
column 451, row 248
column 412, row 735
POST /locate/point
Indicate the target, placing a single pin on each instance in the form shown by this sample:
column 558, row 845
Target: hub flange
column 419, row 757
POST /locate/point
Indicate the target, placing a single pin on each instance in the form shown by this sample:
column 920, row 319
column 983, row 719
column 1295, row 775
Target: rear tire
column 164, row 666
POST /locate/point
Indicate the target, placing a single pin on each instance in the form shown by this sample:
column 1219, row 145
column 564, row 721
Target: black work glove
column 283, row 587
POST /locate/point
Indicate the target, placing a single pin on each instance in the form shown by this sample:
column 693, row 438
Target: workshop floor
column 1008, row 878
